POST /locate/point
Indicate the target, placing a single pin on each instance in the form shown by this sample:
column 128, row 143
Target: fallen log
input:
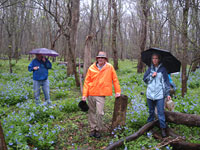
column 172, row 117
column 182, row 118
column 134, row 136
column 177, row 142
column 171, row 132
column 181, row 145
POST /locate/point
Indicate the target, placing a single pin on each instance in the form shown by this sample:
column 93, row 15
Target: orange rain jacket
column 99, row 82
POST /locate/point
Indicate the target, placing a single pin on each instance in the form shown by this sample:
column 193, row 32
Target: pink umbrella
column 44, row 51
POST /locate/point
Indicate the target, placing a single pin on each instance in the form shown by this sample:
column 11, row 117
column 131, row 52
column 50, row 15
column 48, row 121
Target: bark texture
column 182, row 118
column 2, row 140
column 87, row 54
column 119, row 114
column 114, row 35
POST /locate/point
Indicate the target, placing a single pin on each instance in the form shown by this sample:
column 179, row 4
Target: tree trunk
column 171, row 30
column 150, row 31
column 87, row 54
column 73, row 24
column 119, row 114
column 185, row 46
column 121, row 41
column 114, row 35
column 196, row 38
column 88, row 43
column 185, row 146
column 2, row 140
column 109, row 26
column 144, row 20
column 195, row 64
column 69, row 63
column 182, row 118
column 175, row 140
column 10, row 46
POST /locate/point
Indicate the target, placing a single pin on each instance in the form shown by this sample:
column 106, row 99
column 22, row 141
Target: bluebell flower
column 41, row 138
column 54, row 131
column 45, row 126
column 10, row 143
column 149, row 134
column 52, row 117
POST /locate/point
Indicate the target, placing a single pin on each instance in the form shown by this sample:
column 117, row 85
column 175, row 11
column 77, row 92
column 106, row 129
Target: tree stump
column 119, row 114
column 2, row 140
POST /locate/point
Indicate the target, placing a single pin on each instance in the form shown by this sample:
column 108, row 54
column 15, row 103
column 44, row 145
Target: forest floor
column 65, row 127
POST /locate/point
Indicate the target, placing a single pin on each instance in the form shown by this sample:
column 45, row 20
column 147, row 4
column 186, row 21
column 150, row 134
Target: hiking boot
column 163, row 132
column 97, row 134
column 92, row 134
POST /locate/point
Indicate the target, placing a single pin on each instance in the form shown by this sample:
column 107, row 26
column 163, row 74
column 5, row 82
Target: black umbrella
column 171, row 63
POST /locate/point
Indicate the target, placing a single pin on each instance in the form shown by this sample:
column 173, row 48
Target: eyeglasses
column 101, row 57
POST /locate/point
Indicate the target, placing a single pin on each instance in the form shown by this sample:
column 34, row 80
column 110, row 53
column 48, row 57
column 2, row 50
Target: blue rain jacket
column 42, row 72
column 157, row 87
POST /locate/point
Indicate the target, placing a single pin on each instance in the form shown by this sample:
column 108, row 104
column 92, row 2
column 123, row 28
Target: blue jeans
column 160, row 107
column 45, row 88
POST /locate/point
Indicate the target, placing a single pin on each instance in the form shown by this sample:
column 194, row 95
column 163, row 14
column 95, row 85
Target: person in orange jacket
column 97, row 85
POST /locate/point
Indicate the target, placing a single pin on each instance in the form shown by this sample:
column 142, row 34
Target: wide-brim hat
column 83, row 106
column 102, row 55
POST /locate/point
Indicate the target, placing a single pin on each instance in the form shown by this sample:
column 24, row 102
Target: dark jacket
column 42, row 72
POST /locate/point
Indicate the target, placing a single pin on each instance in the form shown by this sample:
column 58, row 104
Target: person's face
column 39, row 56
column 101, row 61
column 155, row 60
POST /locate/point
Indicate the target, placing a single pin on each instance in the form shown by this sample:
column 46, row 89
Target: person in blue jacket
column 40, row 66
column 172, row 85
column 158, row 88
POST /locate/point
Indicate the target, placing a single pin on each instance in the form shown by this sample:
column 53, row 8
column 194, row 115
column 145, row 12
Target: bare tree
column 2, row 139
column 170, row 14
column 114, row 34
column 185, row 4
column 120, row 20
column 74, row 9
column 145, row 11
column 88, row 43
column 67, row 24
column 10, row 14
column 195, row 33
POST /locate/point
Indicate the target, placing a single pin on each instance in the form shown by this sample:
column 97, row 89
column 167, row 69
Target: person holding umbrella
column 158, row 87
column 40, row 66
column 97, row 85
